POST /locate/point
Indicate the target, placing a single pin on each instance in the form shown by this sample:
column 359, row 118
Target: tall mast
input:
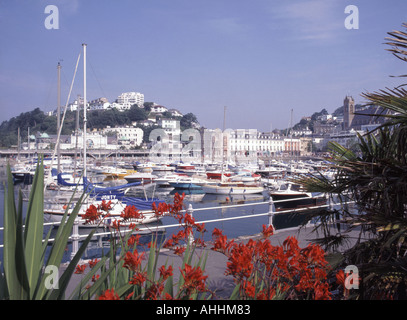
column 291, row 133
column 84, row 110
column 76, row 133
column 224, row 143
column 59, row 117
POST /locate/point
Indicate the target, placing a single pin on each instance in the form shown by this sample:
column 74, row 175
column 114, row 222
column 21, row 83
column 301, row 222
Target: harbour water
column 225, row 208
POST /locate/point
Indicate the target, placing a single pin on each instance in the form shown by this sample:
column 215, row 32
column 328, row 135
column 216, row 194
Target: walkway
column 216, row 262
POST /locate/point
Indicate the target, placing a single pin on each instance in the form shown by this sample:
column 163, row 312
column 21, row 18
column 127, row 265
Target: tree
column 188, row 120
column 315, row 115
column 376, row 179
column 136, row 113
column 147, row 106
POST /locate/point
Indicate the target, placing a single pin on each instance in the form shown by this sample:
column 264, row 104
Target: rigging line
column 60, row 127
column 64, row 76
column 96, row 78
column 50, row 89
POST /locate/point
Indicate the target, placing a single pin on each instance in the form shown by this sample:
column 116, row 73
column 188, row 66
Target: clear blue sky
column 260, row 58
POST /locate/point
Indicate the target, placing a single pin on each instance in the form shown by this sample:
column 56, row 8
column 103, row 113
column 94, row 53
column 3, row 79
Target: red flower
column 189, row 219
column 179, row 251
column 194, row 280
column 95, row 277
column 165, row 273
column 267, row 231
column 216, row 232
column 134, row 239
column 249, row 289
column 220, row 242
column 321, row 290
column 91, row 215
column 115, row 224
column 105, row 206
column 200, row 227
column 132, row 260
column 154, row 291
column 130, row 212
column 109, row 295
column 138, row 278
column 167, row 296
column 129, row 296
column 80, row 268
column 240, row 263
column 161, row 209
column 169, row 243
column 92, row 263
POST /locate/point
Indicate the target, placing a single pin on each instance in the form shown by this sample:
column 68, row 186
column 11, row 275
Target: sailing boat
column 56, row 206
column 230, row 188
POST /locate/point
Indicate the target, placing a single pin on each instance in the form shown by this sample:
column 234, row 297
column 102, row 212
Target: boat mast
column 224, row 144
column 291, row 133
column 59, row 117
column 76, row 134
column 84, row 110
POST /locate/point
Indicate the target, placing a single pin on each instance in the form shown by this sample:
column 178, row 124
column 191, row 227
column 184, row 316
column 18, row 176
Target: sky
column 259, row 58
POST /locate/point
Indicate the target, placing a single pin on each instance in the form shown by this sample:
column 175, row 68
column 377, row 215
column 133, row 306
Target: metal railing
column 75, row 237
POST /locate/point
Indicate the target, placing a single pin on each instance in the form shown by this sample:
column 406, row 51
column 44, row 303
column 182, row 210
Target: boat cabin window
column 284, row 187
column 295, row 187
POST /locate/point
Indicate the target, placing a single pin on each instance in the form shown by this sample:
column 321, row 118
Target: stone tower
column 348, row 112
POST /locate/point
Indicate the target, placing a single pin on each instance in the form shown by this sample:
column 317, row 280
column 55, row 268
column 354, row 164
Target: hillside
column 38, row 122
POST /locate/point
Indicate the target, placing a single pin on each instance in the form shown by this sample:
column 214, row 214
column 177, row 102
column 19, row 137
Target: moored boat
column 291, row 195
column 55, row 209
column 232, row 188
column 143, row 177
column 186, row 183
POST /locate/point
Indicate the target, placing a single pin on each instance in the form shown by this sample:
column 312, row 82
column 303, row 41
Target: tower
column 348, row 112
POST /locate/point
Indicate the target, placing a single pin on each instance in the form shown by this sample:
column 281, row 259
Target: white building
column 158, row 109
column 243, row 140
column 127, row 136
column 127, row 99
column 344, row 138
column 170, row 125
column 99, row 104
column 73, row 106
column 172, row 131
column 94, row 140
column 175, row 113
column 269, row 144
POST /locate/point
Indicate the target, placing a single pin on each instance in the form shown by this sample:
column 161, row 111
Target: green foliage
column 24, row 250
column 376, row 179
column 187, row 121
column 39, row 122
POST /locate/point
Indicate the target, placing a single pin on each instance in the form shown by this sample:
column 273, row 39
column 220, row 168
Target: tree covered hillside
column 38, row 121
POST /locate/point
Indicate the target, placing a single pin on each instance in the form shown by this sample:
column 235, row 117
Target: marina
column 174, row 150
column 239, row 214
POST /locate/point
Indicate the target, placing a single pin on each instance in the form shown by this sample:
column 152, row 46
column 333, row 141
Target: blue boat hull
column 182, row 185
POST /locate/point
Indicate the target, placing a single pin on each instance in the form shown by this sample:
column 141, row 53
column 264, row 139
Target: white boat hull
column 54, row 213
column 216, row 189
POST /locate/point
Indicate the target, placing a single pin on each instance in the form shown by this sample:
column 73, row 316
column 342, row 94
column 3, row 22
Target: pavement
column 216, row 261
